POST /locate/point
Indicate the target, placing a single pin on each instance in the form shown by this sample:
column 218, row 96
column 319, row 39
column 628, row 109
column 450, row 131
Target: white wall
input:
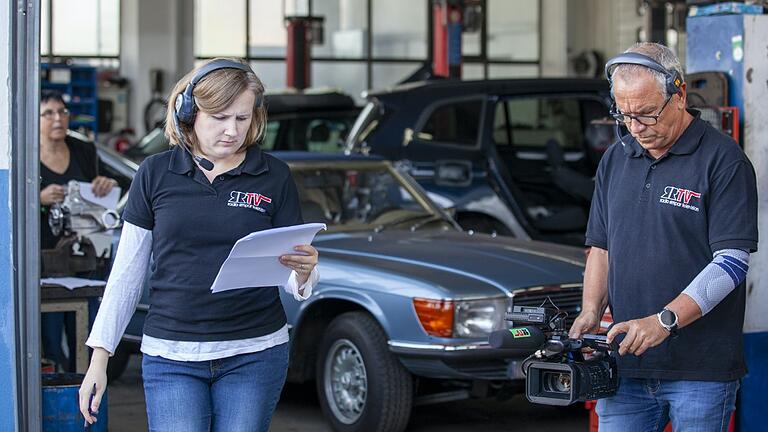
column 155, row 35
column 756, row 147
column 607, row 26
column 554, row 44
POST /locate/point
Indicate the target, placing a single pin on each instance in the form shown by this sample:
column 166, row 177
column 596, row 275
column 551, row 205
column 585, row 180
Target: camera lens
column 557, row 382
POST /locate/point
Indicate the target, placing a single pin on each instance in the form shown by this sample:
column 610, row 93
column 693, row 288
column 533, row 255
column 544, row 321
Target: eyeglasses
column 646, row 120
column 50, row 114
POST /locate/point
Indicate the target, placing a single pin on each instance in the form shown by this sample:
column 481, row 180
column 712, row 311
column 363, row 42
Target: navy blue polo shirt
column 194, row 225
column 660, row 221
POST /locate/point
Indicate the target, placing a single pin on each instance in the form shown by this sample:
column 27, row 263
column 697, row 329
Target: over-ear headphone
column 185, row 107
column 673, row 78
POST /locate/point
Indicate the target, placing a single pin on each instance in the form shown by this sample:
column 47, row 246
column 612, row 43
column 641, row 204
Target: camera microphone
column 523, row 338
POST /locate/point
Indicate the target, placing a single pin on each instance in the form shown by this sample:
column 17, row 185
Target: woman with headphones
column 210, row 361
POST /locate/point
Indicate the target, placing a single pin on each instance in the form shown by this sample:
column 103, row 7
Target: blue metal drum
column 61, row 412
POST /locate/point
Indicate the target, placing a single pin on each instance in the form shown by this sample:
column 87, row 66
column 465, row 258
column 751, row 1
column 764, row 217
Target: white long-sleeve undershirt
column 124, row 289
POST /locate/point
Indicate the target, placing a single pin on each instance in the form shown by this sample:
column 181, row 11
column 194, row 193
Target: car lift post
column 302, row 32
column 446, row 45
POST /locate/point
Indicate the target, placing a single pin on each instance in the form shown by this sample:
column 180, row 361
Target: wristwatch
column 668, row 320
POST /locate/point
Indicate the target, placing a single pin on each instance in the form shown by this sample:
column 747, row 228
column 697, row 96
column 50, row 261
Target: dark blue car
column 514, row 156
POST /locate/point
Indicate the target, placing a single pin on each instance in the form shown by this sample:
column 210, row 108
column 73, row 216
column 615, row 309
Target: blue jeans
column 236, row 393
column 649, row 404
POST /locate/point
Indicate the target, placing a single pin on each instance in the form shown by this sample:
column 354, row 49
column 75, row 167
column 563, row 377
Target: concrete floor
column 299, row 410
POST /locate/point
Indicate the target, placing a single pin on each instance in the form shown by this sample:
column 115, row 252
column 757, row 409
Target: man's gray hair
column 659, row 53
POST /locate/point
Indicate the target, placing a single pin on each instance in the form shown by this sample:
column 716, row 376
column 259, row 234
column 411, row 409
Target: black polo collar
column 254, row 163
column 687, row 143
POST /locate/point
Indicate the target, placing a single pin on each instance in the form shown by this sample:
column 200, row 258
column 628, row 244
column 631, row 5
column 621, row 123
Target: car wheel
column 117, row 364
column 360, row 384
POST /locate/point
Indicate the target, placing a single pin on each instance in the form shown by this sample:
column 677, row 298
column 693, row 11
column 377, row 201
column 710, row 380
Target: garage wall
column 608, row 27
column 753, row 392
column 161, row 35
column 554, row 44
column 155, row 35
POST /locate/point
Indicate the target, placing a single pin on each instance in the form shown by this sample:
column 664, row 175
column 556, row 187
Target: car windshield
column 366, row 123
column 362, row 197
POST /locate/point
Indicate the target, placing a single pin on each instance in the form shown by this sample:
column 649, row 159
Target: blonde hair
column 214, row 93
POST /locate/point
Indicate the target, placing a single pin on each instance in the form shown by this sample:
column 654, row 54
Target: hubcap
column 345, row 382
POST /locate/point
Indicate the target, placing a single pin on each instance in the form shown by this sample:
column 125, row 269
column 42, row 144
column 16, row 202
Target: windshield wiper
column 424, row 218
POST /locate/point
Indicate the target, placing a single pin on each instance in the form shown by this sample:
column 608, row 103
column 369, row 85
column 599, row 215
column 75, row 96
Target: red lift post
column 446, row 37
column 302, row 32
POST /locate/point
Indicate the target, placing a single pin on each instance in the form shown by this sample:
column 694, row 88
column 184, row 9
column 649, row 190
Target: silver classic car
column 406, row 299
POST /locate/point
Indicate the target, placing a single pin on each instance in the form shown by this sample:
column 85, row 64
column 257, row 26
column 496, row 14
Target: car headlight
column 478, row 318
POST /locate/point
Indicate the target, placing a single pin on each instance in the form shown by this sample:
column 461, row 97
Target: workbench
column 56, row 298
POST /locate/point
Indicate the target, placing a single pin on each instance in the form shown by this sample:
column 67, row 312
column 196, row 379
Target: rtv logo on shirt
column 250, row 200
column 679, row 197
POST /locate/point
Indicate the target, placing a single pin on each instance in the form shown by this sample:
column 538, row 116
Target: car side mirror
column 453, row 173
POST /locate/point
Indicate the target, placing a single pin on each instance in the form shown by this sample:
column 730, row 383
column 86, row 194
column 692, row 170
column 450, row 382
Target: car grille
column 566, row 297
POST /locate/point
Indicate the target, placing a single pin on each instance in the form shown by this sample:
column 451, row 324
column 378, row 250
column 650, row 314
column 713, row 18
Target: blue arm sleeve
column 727, row 270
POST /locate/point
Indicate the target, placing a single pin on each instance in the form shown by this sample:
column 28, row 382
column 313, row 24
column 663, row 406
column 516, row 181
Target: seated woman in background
column 62, row 158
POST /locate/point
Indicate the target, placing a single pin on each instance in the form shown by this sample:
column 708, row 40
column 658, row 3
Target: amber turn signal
column 435, row 316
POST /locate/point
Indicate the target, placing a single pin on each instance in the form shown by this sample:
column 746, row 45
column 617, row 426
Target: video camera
column 557, row 373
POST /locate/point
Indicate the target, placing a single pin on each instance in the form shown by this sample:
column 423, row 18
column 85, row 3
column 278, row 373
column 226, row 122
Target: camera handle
column 599, row 342
column 559, row 344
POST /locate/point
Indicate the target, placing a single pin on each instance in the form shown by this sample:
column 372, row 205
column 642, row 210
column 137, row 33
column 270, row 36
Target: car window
column 534, row 121
column 455, row 123
column 270, row 135
column 354, row 198
column 327, row 135
column 501, row 132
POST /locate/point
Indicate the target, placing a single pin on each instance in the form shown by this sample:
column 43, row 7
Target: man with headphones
column 672, row 224
column 211, row 361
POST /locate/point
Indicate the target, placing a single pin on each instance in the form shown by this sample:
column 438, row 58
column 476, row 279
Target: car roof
column 452, row 88
column 291, row 102
column 303, row 156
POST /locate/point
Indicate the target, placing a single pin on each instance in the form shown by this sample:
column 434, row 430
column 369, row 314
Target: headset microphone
column 203, row 162
column 618, row 134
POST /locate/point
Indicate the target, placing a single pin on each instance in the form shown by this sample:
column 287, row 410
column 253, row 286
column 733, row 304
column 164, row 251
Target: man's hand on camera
column 586, row 322
column 641, row 333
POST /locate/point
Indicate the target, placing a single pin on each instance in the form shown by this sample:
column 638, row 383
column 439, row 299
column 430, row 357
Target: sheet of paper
column 72, row 282
column 108, row 201
column 253, row 260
